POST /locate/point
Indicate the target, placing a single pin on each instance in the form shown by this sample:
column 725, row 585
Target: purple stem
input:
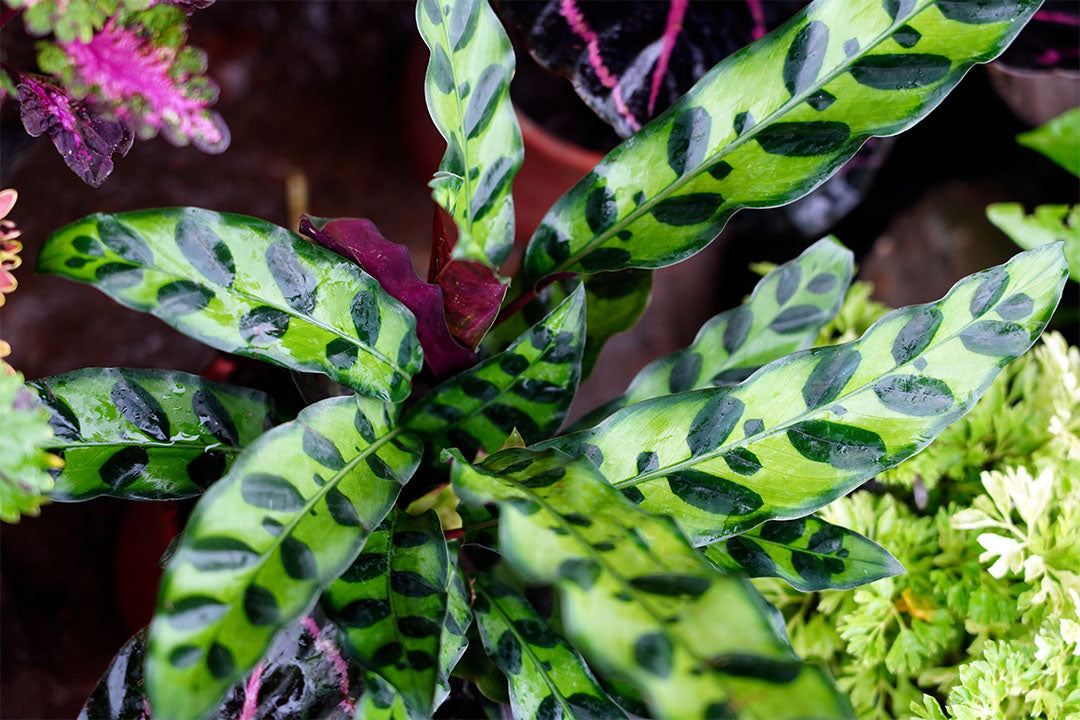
column 672, row 28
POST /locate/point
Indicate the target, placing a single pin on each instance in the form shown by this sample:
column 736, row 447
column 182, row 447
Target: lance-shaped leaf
column 291, row 514
column 1058, row 140
column 784, row 313
column 767, row 125
column 249, row 287
column 302, row 675
column 389, row 263
column 637, row 600
column 548, row 678
column 391, row 604
column 380, row 701
column 812, row 426
column 468, row 95
column 1047, row 224
column 146, row 434
column 613, row 304
column 529, row 386
column 454, row 641
column 808, row 553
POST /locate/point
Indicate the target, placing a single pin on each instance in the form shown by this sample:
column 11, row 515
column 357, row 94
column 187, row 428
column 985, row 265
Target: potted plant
column 381, row 550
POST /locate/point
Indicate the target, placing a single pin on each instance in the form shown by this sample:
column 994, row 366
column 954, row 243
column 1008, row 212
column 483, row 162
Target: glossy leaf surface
column 454, row 642
column 468, row 95
column 784, row 313
column 808, row 553
column 380, row 701
column 529, row 386
column 391, row 604
column 547, row 676
column 1046, row 224
column 637, row 600
column 303, row 675
column 767, row 125
column 814, row 425
column 389, row 263
column 249, row 287
column 1058, row 140
column 288, row 518
column 146, row 434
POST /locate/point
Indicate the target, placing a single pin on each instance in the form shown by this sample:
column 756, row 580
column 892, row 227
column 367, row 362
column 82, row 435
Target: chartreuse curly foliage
column 784, row 313
column 468, row 95
column 769, row 124
column 528, row 386
column 1047, row 224
column 547, row 677
column 638, row 601
column 249, row 287
column 391, row 604
column 146, row 434
column 25, row 479
column 723, row 460
column 809, row 553
column 290, row 516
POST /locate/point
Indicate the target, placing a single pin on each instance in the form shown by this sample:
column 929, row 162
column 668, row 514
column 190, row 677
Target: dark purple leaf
column 304, row 674
column 85, row 139
column 389, row 263
column 190, row 5
column 630, row 61
column 472, row 292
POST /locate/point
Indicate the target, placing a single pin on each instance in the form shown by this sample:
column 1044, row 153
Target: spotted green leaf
column 547, row 676
column 1058, row 140
column 784, row 313
column 769, row 124
column 529, row 386
column 380, row 701
column 810, row 427
column 290, row 515
column 391, row 604
column 468, row 95
column 454, row 641
column 146, row 434
column 249, row 287
column 1047, row 224
column 637, row 600
column 808, row 553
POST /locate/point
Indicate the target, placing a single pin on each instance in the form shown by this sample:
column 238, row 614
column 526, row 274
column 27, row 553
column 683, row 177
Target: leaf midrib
column 285, row 308
column 747, row 441
column 492, row 602
column 289, row 527
column 572, row 531
column 736, row 143
column 466, row 182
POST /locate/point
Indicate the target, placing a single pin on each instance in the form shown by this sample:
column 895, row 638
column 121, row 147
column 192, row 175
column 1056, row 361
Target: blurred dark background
column 329, row 94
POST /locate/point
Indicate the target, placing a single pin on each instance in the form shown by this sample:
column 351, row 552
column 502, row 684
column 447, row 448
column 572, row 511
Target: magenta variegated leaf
column 304, row 674
column 389, row 263
column 85, row 138
column 629, row 62
column 153, row 86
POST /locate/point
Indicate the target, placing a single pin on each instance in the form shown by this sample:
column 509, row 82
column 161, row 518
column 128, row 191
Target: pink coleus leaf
column 85, row 138
column 388, row 262
column 472, row 292
column 152, row 87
